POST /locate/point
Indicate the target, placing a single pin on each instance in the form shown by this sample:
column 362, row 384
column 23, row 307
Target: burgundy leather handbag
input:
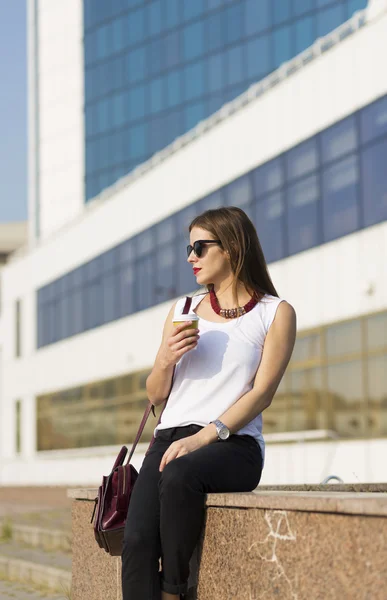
column 112, row 503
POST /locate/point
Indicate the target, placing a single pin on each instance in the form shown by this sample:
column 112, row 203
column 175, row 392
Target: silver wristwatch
column 222, row 430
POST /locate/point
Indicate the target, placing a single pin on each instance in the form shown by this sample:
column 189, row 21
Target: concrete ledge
column 91, row 493
column 352, row 503
column 336, row 500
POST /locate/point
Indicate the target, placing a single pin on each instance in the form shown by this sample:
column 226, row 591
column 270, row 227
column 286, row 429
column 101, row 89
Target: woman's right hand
column 181, row 341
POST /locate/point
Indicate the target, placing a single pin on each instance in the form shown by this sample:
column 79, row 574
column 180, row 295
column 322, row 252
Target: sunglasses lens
column 198, row 249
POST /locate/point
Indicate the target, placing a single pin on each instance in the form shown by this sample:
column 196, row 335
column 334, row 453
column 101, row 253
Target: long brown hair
column 239, row 238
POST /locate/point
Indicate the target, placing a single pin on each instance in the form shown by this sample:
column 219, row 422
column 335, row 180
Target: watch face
column 224, row 433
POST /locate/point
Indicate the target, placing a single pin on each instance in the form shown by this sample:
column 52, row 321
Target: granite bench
column 290, row 542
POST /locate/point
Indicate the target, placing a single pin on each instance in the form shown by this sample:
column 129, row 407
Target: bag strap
column 150, row 406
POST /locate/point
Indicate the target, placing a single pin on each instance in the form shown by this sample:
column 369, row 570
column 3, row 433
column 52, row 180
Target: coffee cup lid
column 188, row 317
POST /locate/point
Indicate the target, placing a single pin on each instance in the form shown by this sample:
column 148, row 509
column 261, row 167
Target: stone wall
column 267, row 544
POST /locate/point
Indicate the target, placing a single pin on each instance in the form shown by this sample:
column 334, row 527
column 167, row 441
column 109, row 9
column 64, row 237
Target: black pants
column 166, row 511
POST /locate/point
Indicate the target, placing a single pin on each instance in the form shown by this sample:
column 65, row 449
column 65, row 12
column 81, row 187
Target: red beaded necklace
column 231, row 313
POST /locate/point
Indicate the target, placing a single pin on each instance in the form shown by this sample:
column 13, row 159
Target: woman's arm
column 278, row 348
column 176, row 341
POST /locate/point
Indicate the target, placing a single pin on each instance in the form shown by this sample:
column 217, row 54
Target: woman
column 210, row 436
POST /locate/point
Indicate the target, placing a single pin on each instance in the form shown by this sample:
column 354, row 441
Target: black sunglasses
column 199, row 245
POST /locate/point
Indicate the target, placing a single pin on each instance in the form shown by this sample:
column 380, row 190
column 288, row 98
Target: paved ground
column 17, row 591
column 17, row 500
column 54, row 558
column 46, row 507
column 59, row 518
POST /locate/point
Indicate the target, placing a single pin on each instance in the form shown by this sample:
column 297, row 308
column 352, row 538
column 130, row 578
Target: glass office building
column 155, row 68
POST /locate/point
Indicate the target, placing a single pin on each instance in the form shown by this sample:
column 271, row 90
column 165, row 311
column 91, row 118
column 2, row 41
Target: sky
column 13, row 111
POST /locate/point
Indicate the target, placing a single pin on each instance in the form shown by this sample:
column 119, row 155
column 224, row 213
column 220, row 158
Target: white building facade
column 303, row 151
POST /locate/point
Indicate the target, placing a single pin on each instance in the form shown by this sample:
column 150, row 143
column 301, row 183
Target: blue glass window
column 165, row 287
column 126, row 290
column 214, row 4
column 214, row 32
column 103, row 42
column 339, row 139
column 281, row 11
column 193, row 40
column 103, row 116
column 193, row 114
column 258, row 58
column 302, row 231
column 166, row 231
column 239, row 192
column 184, row 218
column 135, row 27
column 154, row 17
column 374, row 183
column 117, row 72
column 341, row 198
column 257, row 16
column 268, row 177
column 145, row 283
column 329, row 19
column 302, row 6
column 156, row 95
column 110, row 260
column 173, row 85
column 304, row 33
column 136, row 65
column 118, row 110
column 145, row 242
column 234, row 22
column 215, row 76
column 193, row 81
column 118, row 42
column 214, row 103
column 269, row 222
column 155, row 56
column 302, row 160
column 373, row 120
column 88, row 13
column 235, row 65
column 193, row 9
column 173, row 126
column 137, row 102
column 282, row 40
column 172, row 49
column 126, row 251
column 110, row 296
column 138, row 142
column 172, row 10
column 156, row 134
column 90, row 46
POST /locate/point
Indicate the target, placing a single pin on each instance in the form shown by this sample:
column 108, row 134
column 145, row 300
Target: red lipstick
column 196, row 271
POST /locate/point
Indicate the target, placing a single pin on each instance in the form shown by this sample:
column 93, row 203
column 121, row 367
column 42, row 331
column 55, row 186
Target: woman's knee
column 176, row 475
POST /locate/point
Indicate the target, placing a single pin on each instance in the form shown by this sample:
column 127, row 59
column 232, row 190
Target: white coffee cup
column 185, row 319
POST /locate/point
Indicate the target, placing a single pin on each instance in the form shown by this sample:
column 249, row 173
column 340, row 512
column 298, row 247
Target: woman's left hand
column 180, row 448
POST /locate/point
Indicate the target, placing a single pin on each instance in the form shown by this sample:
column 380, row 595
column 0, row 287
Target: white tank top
column 214, row 375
